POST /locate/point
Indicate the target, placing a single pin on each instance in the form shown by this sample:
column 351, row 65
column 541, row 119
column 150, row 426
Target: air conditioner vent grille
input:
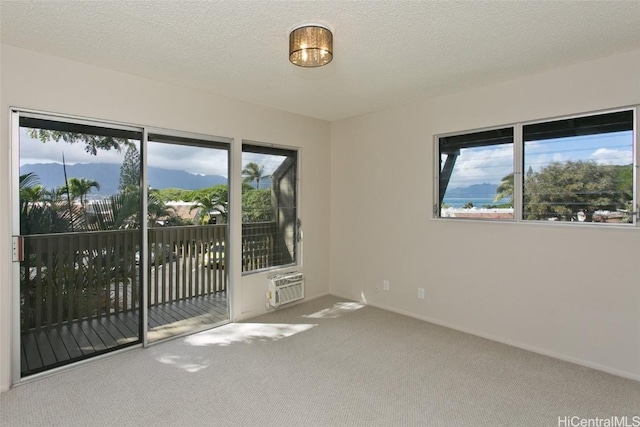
column 285, row 288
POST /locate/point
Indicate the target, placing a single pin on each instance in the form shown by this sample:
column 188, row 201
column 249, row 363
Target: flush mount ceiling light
column 310, row 46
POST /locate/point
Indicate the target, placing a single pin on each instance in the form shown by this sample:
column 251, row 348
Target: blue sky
column 490, row 164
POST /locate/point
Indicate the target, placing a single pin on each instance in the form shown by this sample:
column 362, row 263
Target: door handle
column 17, row 243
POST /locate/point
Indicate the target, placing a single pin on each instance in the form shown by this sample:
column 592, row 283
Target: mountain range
column 476, row 191
column 108, row 176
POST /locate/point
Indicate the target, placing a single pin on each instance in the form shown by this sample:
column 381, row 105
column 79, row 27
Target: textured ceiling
column 386, row 53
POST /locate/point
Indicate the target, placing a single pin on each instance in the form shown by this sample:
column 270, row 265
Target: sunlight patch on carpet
column 246, row 333
column 338, row 309
column 188, row 364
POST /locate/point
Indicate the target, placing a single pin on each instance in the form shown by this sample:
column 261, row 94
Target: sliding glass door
column 79, row 233
column 188, row 207
column 120, row 237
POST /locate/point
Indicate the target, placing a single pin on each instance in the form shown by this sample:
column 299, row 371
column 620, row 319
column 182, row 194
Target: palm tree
column 156, row 208
column 204, row 206
column 505, row 189
column 118, row 212
column 253, row 172
column 28, row 180
column 41, row 210
column 30, row 189
column 30, row 192
column 216, row 201
column 80, row 187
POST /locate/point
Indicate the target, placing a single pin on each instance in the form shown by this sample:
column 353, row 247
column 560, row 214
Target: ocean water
column 458, row 202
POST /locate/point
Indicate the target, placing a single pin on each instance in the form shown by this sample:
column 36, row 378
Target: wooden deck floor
column 49, row 348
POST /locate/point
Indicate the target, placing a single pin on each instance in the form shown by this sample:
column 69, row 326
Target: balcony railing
column 258, row 246
column 72, row 276
column 87, row 275
column 185, row 262
column 80, row 292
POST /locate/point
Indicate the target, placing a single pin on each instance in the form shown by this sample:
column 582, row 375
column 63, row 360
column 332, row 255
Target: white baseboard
column 260, row 312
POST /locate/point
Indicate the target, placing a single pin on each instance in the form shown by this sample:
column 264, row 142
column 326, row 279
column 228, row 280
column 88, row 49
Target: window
column 470, row 165
column 270, row 222
column 578, row 169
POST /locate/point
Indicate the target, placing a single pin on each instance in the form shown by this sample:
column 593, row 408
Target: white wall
column 566, row 291
column 42, row 82
column 571, row 292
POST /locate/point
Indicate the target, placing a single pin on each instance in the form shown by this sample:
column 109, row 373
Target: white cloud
column 270, row 161
column 35, row 151
column 490, row 164
column 607, row 156
column 193, row 159
column 197, row 160
column 486, row 165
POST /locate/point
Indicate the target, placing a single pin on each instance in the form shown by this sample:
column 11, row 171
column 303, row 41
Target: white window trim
column 518, row 162
column 298, row 264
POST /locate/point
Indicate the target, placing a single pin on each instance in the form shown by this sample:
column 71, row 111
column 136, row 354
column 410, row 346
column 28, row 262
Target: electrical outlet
column 385, row 285
column 421, row 293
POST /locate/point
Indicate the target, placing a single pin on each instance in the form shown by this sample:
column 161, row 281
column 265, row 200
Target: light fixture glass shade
column 310, row 46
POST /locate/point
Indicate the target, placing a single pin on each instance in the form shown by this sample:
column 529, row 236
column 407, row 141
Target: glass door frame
column 188, row 139
column 14, row 125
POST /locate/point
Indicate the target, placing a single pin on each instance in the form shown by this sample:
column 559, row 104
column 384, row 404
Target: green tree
column 118, row 212
column 130, row 170
column 505, row 189
column 253, row 172
column 43, row 211
column 167, row 194
column 122, row 211
column 156, row 209
column 215, row 200
column 624, row 180
column 31, row 192
column 80, row 187
column 93, row 143
column 561, row 190
column 256, row 205
column 30, row 189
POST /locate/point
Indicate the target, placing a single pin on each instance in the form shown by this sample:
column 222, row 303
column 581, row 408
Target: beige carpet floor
column 326, row 362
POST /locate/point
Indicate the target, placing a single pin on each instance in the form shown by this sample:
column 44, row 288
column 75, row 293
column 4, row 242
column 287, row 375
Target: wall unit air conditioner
column 285, row 288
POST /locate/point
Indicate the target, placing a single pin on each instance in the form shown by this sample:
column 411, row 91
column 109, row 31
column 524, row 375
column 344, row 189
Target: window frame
column 498, row 130
column 518, row 168
column 274, row 149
